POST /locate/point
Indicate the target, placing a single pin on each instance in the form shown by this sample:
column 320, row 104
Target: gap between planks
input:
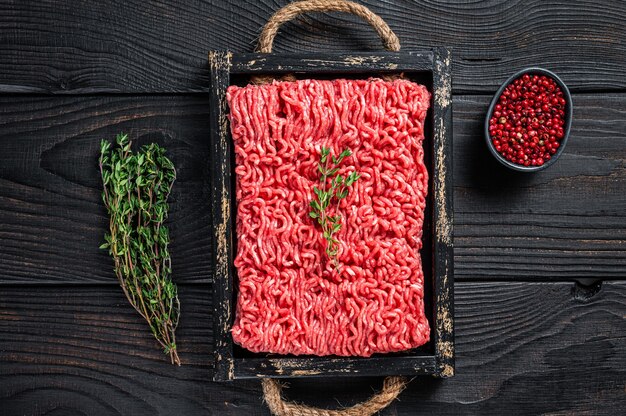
column 208, row 283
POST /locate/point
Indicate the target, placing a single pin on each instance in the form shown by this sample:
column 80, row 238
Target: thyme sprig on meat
column 136, row 188
column 333, row 188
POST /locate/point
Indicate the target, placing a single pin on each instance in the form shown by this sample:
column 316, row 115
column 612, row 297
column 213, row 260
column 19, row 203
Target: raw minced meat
column 291, row 299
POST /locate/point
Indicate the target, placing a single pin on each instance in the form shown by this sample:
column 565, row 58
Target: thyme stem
column 331, row 224
column 136, row 189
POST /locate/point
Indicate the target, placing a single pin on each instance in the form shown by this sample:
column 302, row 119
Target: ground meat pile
column 291, row 298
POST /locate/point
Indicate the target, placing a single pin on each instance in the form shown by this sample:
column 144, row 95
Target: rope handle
column 272, row 390
column 292, row 10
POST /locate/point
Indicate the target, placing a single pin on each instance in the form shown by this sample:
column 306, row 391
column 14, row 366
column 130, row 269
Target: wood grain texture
column 69, row 342
column 55, row 46
column 324, row 367
column 324, row 63
column 522, row 348
column 52, row 219
column 86, row 351
column 223, row 220
column 567, row 222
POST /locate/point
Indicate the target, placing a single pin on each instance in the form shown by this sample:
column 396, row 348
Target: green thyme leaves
column 333, row 188
column 136, row 188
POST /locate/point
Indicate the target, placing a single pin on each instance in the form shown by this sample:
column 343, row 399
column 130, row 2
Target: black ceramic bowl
column 566, row 127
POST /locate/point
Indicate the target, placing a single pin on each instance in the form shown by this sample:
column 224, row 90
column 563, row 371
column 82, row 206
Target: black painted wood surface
column 540, row 260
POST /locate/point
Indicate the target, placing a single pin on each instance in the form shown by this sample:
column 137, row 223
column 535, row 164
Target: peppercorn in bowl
column 528, row 122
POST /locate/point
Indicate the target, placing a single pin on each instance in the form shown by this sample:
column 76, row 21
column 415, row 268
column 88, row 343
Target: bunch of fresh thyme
column 338, row 190
column 136, row 188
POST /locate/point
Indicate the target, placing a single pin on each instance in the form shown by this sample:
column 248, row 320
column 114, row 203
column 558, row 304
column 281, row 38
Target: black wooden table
column 540, row 259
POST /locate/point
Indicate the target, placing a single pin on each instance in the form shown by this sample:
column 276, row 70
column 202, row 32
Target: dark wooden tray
column 430, row 67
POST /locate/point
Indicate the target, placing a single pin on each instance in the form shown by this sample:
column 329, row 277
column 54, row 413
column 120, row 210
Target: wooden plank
column 325, row 62
column 97, row 324
column 522, row 348
column 85, row 350
column 161, row 47
column 567, row 222
column 332, row 367
column 443, row 217
column 52, row 219
column 222, row 208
